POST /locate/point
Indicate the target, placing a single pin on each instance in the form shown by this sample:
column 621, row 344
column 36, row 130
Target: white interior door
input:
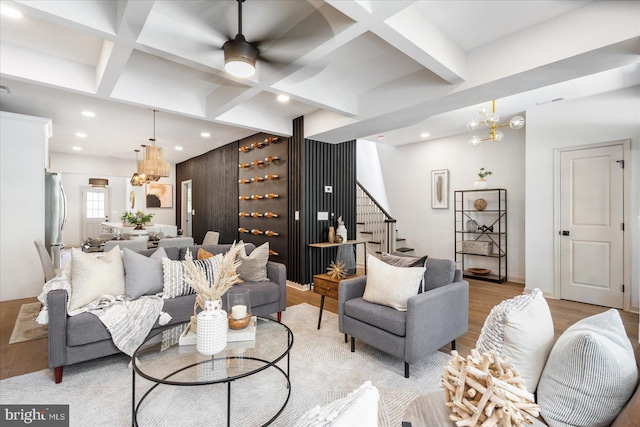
column 187, row 208
column 592, row 216
column 95, row 205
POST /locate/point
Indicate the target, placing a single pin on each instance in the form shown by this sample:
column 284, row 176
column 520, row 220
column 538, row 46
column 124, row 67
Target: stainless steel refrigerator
column 55, row 203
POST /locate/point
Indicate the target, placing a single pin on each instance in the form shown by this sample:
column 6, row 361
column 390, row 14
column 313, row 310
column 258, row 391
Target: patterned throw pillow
column 521, row 329
column 174, row 284
column 404, row 261
column 590, row 374
column 253, row 267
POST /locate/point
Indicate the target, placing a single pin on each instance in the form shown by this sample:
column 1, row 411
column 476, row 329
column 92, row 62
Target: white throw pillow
column 253, row 267
column 389, row 285
column 520, row 329
column 93, row 277
column 590, row 374
column 359, row 408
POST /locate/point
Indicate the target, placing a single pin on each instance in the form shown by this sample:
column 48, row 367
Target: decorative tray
column 479, row 271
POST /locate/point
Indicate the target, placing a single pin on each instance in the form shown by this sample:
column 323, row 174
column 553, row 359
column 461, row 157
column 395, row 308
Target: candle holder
column 239, row 308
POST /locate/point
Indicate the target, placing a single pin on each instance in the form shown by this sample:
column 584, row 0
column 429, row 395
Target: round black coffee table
column 163, row 362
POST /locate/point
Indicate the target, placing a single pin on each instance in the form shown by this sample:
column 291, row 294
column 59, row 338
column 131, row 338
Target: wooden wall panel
column 215, row 192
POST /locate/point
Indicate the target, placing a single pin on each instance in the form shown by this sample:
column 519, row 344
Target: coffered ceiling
column 354, row 69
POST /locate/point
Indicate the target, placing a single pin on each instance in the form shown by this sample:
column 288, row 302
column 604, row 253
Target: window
column 95, row 204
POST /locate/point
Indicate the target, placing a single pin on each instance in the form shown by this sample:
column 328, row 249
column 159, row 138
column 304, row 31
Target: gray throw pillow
column 404, row 261
column 590, row 373
column 253, row 267
column 143, row 275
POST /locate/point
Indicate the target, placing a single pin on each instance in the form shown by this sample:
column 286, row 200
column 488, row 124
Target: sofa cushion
column 359, row 408
column 380, row 316
column 170, row 251
column 214, row 249
column 260, row 293
column 629, row 415
column 520, row 329
column 174, row 271
column 93, row 277
column 253, row 267
column 143, row 275
column 389, row 285
column 590, row 373
column 440, row 272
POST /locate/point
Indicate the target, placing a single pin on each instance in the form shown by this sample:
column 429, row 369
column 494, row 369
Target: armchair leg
column 406, row 370
column 279, row 317
column 353, row 344
column 345, row 338
column 453, row 345
column 57, row 374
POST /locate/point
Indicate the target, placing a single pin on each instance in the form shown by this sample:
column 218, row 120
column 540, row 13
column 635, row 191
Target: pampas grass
column 225, row 278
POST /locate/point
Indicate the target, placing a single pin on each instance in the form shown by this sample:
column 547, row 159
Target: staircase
column 375, row 226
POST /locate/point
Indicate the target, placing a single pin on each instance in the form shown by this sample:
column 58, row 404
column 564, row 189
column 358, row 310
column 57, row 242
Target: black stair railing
column 376, row 222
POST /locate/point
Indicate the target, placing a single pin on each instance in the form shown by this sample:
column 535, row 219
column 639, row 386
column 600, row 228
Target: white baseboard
column 298, row 286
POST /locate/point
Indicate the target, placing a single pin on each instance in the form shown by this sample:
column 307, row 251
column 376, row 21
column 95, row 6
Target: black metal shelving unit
column 493, row 228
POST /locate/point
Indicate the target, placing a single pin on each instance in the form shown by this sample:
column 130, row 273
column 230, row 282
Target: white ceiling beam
column 256, row 120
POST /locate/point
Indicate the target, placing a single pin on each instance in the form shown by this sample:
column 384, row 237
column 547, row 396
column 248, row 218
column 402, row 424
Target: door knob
column 564, row 232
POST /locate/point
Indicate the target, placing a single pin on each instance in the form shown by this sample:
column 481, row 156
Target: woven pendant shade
column 153, row 166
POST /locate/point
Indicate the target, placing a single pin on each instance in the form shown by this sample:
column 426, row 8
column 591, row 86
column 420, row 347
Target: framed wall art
column 159, row 195
column 440, row 189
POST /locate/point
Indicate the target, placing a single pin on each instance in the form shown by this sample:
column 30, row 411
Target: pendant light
column 153, row 166
column 137, row 180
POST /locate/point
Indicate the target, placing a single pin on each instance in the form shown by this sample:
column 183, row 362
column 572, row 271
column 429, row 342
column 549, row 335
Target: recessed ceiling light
column 205, row 134
column 88, row 114
column 283, row 98
column 10, row 12
column 380, row 136
column 81, row 134
column 76, row 148
column 178, row 148
column 425, row 135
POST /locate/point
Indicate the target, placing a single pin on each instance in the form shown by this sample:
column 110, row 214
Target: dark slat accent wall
column 297, row 243
column 334, row 165
column 216, row 210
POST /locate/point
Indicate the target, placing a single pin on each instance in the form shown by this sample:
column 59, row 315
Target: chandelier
column 491, row 120
column 138, row 180
column 152, row 166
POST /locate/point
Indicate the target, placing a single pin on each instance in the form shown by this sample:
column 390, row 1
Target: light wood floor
column 31, row 356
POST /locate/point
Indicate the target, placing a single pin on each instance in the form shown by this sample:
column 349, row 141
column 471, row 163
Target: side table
column 324, row 285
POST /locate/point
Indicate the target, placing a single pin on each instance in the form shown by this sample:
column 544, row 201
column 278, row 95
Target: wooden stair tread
column 404, row 249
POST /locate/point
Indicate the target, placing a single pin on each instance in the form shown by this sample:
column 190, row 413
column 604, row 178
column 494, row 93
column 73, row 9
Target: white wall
column 608, row 117
column 23, row 144
column 407, row 178
column 368, row 171
column 76, row 171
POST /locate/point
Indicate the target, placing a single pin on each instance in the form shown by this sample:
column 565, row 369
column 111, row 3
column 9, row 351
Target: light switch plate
column 323, row 216
column 328, row 189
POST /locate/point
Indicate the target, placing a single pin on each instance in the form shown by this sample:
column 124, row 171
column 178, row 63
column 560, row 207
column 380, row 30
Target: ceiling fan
column 240, row 55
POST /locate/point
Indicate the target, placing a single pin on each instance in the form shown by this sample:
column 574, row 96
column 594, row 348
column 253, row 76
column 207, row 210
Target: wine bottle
column 245, row 149
column 273, row 253
column 271, row 196
column 271, row 215
column 257, row 162
column 244, row 181
column 256, row 231
column 244, row 198
column 256, row 214
column 243, row 214
column 258, row 144
column 272, row 140
column 242, row 230
column 271, row 158
column 257, row 197
column 244, row 165
column 257, row 179
column 271, row 233
column 271, row 176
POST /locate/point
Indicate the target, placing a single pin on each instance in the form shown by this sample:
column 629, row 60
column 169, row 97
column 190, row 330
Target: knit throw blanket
column 128, row 321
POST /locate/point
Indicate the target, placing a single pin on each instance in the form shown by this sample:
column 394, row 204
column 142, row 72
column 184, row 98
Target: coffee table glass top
column 162, row 360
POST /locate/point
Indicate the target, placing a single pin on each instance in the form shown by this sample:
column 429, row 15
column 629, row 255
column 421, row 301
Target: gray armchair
column 435, row 317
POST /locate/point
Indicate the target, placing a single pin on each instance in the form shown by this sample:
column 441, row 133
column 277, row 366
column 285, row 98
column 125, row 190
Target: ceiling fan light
column 240, row 57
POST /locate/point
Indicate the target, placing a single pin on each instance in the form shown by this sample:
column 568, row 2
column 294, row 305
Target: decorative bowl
column 479, row 271
column 239, row 323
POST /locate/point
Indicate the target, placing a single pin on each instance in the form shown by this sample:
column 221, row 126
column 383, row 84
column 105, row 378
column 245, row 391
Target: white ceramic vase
column 481, row 184
column 213, row 326
column 139, row 234
column 342, row 231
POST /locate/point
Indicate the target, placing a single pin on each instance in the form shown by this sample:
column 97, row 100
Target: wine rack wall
column 262, row 193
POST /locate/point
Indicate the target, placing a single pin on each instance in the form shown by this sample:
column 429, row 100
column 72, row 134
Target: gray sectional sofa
column 75, row 339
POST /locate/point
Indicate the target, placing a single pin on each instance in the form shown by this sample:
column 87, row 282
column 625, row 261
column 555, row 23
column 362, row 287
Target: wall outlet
column 297, row 215
column 328, row 189
column 323, row 216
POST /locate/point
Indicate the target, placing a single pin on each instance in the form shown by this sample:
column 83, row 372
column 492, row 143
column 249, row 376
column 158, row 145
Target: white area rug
column 322, row 369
